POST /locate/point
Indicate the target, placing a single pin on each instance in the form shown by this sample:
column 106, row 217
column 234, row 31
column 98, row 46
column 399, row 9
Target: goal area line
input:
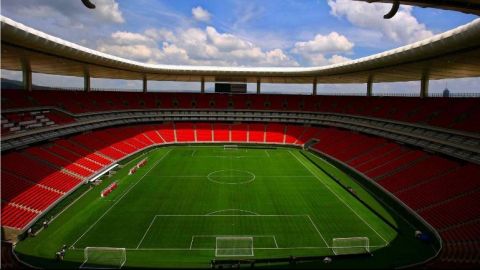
column 307, row 222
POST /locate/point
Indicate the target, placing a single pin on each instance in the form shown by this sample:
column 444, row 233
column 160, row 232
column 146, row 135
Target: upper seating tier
column 452, row 113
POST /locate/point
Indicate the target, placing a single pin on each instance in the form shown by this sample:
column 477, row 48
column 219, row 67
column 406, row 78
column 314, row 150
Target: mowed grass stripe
column 314, row 171
column 287, row 196
column 178, row 186
column 289, row 230
column 121, row 197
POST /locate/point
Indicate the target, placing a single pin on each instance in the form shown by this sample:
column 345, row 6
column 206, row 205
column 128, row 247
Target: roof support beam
column 424, row 85
column 259, row 86
column 145, row 83
column 314, row 86
column 370, row 86
column 26, row 75
column 86, row 79
column 202, row 85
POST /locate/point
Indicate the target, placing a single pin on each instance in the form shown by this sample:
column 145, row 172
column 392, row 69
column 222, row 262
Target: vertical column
column 424, row 85
column 86, row 79
column 258, row 85
column 26, row 74
column 370, row 86
column 202, row 85
column 314, row 86
column 145, row 83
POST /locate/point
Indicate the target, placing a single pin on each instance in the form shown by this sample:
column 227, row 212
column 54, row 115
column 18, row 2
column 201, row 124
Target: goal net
column 104, row 257
column 233, row 246
column 350, row 245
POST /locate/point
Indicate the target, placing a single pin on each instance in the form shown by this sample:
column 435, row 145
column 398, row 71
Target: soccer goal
column 230, row 147
column 350, row 245
column 104, row 258
column 233, row 246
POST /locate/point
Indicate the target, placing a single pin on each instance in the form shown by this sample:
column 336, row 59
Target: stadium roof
column 466, row 6
column 453, row 54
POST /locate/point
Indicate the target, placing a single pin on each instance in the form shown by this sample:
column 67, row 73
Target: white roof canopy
column 453, row 54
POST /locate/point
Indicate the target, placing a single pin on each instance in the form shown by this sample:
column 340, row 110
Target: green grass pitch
column 269, row 202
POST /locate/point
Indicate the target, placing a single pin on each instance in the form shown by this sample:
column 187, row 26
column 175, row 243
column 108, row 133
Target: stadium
column 230, row 173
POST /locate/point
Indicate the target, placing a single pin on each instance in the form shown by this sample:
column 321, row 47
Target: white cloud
column 160, row 34
column 226, row 42
column 193, row 46
column 316, row 51
column 109, row 10
column 201, row 14
column 330, row 43
column 138, row 52
column 129, row 38
column 67, row 12
column 403, row 28
column 336, row 59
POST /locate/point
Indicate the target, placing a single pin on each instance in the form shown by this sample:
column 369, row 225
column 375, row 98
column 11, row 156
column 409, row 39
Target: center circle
column 231, row 177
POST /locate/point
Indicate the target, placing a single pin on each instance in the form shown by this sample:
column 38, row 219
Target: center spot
column 231, row 177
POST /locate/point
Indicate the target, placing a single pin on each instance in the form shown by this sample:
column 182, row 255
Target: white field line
column 65, row 209
column 231, row 215
column 119, row 199
column 191, row 242
column 213, row 249
column 230, row 235
column 197, row 156
column 215, row 235
column 145, row 234
column 266, row 152
column 338, row 197
column 319, row 233
column 263, row 176
column 234, row 235
column 232, row 209
column 193, row 152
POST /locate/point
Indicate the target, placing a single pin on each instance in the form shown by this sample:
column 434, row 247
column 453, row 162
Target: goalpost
column 350, row 245
column 233, row 246
column 230, row 147
column 104, row 258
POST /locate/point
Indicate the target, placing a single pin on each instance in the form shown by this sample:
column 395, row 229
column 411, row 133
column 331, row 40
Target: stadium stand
column 14, row 122
column 203, row 132
column 221, row 132
column 443, row 191
column 453, row 113
column 440, row 193
column 274, row 133
column 256, row 133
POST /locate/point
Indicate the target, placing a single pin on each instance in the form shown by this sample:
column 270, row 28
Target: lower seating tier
column 443, row 191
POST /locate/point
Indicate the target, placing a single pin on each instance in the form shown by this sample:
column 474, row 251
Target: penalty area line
column 119, row 199
column 146, row 232
column 338, row 197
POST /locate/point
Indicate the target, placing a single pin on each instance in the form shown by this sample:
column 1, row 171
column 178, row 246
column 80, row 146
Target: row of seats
column 22, row 121
column 38, row 176
column 453, row 113
column 16, row 217
column 443, row 191
column 38, row 171
column 22, row 192
column 414, row 176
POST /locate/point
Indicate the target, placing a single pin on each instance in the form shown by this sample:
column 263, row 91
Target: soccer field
column 191, row 204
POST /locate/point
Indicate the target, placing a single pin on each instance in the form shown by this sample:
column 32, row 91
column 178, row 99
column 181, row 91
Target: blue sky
column 234, row 32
